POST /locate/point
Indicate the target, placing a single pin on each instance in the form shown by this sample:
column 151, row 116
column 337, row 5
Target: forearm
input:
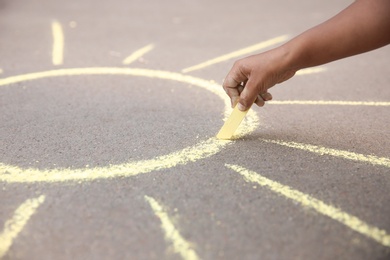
column 361, row 27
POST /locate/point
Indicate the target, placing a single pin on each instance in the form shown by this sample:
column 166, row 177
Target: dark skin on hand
column 363, row 26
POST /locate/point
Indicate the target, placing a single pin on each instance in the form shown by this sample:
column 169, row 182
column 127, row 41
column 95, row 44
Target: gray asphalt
column 72, row 122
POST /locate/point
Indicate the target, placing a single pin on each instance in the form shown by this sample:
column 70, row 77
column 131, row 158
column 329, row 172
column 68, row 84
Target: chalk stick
column 231, row 124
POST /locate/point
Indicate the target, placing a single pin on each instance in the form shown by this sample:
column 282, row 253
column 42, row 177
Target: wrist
column 291, row 56
column 285, row 63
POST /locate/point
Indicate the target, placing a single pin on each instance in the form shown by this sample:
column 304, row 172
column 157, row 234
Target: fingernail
column 241, row 107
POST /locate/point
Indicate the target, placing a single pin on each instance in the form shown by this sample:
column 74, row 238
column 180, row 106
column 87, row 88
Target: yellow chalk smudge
column 238, row 53
column 1, row 71
column 206, row 148
column 325, row 102
column 372, row 159
column 354, row 223
column 138, row 54
column 15, row 225
column 58, row 43
column 172, row 235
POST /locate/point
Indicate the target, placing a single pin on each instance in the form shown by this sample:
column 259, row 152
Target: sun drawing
column 205, row 148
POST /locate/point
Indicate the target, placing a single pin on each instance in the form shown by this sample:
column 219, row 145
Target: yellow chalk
column 138, row 54
column 328, row 102
column 372, row 159
column 15, row 225
column 352, row 222
column 231, row 124
column 172, row 234
column 58, row 43
column 238, row 53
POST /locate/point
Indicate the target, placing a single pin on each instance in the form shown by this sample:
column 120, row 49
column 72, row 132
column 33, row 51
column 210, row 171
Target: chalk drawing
column 206, row 148
column 310, row 71
column 172, row 234
column 201, row 150
column 15, row 225
column 58, row 43
column 352, row 222
column 329, row 103
column 238, row 53
column 138, row 54
column 371, row 159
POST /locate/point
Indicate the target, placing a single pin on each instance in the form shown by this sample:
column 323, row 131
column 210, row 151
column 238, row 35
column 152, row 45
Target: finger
column 234, row 95
column 248, row 96
column 262, row 98
column 235, row 76
column 259, row 101
column 230, row 87
column 266, row 96
column 232, row 82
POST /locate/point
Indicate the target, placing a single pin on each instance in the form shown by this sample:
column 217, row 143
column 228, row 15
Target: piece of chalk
column 231, row 124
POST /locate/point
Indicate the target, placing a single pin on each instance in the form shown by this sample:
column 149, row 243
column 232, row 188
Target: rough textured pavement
column 90, row 165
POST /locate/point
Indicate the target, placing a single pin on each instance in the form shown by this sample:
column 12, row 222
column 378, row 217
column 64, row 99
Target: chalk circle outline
column 201, row 150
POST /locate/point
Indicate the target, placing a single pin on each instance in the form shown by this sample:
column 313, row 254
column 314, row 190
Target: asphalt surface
column 97, row 121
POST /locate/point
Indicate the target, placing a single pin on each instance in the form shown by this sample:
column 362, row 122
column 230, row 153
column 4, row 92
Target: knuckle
column 237, row 63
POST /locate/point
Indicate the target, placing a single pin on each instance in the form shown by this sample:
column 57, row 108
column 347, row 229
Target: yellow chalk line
column 354, row 223
column 209, row 147
column 324, row 102
column 58, row 43
column 372, row 159
column 238, row 53
column 12, row 174
column 13, row 226
column 138, row 54
column 310, row 71
column 180, row 245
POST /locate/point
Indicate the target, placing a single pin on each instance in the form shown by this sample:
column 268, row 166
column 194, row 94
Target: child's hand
column 250, row 78
column 361, row 27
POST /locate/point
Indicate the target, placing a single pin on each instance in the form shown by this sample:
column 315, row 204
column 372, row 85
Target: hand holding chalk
column 250, row 78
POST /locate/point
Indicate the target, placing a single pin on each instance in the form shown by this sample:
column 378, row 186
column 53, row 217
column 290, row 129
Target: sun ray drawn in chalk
column 172, row 235
column 371, row 159
column 310, row 71
column 138, row 54
column 58, row 43
column 329, row 103
column 352, row 222
column 15, row 225
column 238, row 53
